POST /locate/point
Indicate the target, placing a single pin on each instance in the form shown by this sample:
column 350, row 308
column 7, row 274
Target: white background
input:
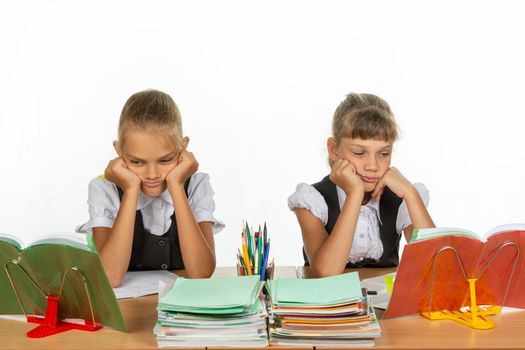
column 257, row 83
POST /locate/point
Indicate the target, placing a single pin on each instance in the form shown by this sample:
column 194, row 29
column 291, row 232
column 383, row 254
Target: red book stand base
column 49, row 325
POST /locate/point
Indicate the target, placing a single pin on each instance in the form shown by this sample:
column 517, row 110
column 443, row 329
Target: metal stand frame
column 474, row 316
column 49, row 324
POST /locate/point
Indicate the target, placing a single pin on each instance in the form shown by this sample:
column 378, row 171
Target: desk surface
column 412, row 332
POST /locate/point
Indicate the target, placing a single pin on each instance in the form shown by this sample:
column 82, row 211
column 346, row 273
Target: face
column 371, row 158
column 150, row 157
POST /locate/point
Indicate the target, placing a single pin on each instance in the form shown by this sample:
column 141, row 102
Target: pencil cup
column 242, row 271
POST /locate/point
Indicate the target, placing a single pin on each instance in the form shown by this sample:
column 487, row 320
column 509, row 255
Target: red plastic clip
column 49, row 325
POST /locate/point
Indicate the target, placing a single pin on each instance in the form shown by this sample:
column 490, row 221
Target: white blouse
column 104, row 203
column 367, row 241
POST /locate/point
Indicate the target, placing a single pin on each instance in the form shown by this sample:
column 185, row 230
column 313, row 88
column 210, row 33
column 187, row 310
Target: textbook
column 56, row 265
column 217, row 312
column 436, row 264
column 332, row 311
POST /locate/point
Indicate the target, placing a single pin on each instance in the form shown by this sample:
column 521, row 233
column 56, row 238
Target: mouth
column 152, row 184
column 367, row 179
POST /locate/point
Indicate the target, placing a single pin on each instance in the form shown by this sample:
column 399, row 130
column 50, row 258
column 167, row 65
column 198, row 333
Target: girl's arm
column 404, row 189
column 418, row 213
column 114, row 244
column 196, row 240
column 328, row 254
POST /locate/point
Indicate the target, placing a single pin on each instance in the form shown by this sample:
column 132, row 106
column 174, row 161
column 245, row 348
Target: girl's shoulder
column 423, row 191
column 198, row 180
column 200, row 186
column 307, row 197
column 306, row 190
column 199, row 177
column 100, row 184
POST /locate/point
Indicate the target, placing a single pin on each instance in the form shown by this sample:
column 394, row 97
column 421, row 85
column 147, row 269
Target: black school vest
column 152, row 252
column 388, row 208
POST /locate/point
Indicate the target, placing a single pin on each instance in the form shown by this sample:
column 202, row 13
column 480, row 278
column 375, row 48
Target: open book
column 77, row 240
column 34, row 270
column 428, row 233
column 430, row 267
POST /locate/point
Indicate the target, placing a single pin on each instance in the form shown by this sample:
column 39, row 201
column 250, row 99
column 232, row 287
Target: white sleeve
column 200, row 198
column 403, row 218
column 104, row 203
column 307, row 197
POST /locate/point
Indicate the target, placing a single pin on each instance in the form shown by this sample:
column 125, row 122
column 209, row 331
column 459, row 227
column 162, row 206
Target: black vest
column 152, row 252
column 388, row 208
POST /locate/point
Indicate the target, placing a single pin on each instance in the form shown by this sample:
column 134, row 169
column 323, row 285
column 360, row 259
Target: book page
column 15, row 241
column 427, row 233
column 139, row 283
column 72, row 239
column 502, row 228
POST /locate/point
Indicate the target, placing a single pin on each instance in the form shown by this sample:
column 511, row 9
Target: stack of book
column 218, row 311
column 332, row 311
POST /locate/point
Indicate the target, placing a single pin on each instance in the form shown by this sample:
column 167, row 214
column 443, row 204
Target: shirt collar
column 341, row 195
column 145, row 200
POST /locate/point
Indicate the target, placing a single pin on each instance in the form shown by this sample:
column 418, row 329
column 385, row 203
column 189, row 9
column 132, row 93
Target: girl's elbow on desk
column 115, row 280
column 320, row 271
column 201, row 272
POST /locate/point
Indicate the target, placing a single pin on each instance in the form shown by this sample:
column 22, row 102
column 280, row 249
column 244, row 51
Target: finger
column 183, row 155
column 340, row 164
column 378, row 190
column 335, row 173
column 352, row 167
column 335, row 166
column 377, row 198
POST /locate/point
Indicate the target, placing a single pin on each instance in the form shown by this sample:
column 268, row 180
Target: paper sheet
column 139, row 283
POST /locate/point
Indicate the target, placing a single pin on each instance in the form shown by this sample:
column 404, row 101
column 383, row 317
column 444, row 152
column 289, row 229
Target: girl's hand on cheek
column 118, row 173
column 344, row 175
column 186, row 167
column 395, row 181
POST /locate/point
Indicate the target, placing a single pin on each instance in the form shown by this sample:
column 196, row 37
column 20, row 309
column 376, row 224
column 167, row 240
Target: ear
column 331, row 146
column 118, row 149
column 185, row 141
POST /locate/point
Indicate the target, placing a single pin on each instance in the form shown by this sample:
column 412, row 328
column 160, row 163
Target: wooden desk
column 412, row 332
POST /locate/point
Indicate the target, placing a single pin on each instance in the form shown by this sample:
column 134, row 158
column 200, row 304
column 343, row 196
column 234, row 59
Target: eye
column 384, row 154
column 165, row 161
column 358, row 154
column 135, row 162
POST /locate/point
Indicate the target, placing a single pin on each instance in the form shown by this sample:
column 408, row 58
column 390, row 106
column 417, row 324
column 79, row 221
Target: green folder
column 315, row 291
column 217, row 295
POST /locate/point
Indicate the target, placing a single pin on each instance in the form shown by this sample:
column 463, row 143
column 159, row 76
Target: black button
column 164, row 266
column 162, row 243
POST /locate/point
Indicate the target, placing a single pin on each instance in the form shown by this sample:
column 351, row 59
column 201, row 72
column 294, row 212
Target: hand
column 344, row 175
column 396, row 182
column 186, row 167
column 118, row 173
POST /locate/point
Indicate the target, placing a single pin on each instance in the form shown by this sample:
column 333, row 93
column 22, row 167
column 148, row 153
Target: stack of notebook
column 219, row 311
column 330, row 311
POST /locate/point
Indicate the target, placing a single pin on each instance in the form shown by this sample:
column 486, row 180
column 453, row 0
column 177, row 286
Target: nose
column 371, row 164
column 152, row 172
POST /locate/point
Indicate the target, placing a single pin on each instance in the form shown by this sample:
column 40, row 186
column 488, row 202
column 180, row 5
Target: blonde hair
column 364, row 116
column 153, row 110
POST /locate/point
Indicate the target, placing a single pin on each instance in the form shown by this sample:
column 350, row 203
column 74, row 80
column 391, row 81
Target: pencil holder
column 242, row 271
